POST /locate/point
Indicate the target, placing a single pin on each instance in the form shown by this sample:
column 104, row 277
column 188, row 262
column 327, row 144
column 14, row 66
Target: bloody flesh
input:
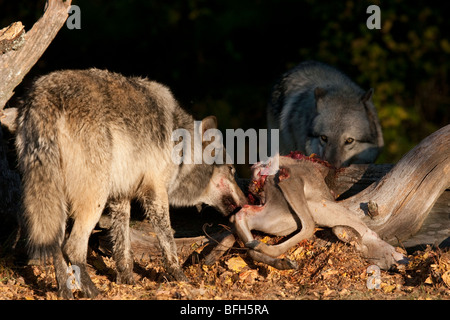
column 256, row 188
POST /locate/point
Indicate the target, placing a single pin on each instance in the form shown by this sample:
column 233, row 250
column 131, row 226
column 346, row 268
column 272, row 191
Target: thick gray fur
column 320, row 110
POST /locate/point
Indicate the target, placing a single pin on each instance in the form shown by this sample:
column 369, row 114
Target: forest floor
column 328, row 269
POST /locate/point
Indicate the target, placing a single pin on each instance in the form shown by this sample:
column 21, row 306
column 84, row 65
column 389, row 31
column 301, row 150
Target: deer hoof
column 252, row 244
column 287, row 264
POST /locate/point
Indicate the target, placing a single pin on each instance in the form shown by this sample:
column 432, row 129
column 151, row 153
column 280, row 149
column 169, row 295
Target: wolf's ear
column 367, row 96
column 319, row 92
column 209, row 123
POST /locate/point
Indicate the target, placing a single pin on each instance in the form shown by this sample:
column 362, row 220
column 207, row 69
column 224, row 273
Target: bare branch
column 19, row 58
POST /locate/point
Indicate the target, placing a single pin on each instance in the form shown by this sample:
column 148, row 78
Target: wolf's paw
column 90, row 290
column 125, row 278
column 286, row 264
column 177, row 274
column 65, row 293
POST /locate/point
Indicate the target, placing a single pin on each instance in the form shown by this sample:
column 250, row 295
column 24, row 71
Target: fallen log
column 435, row 228
column 144, row 243
column 406, row 195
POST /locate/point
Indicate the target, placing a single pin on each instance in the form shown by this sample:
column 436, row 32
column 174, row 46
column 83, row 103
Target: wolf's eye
column 324, row 138
column 232, row 170
column 349, row 140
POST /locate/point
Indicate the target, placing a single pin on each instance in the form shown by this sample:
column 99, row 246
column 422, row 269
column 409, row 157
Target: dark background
column 221, row 57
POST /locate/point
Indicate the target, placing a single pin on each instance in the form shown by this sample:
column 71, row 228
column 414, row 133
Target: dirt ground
column 328, row 269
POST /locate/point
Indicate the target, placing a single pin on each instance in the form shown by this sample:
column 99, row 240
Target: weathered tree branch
column 435, row 227
column 16, row 63
column 145, row 245
column 406, row 195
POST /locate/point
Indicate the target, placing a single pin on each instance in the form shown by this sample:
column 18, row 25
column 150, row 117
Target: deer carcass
column 294, row 201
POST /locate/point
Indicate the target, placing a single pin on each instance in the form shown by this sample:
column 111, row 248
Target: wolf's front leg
column 157, row 209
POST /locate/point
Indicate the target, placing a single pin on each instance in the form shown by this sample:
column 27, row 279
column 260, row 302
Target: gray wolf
column 91, row 139
column 320, row 110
